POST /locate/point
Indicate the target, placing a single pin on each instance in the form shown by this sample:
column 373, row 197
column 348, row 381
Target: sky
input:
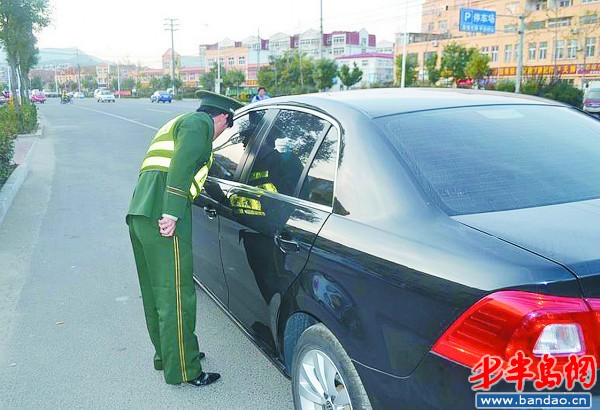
column 132, row 31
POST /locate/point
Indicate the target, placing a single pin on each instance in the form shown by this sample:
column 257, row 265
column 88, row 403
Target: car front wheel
column 323, row 375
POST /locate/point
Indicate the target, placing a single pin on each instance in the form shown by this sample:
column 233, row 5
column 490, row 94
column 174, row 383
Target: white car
column 106, row 96
column 78, row 94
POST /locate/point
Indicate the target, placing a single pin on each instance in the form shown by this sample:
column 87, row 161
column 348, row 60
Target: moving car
column 591, row 101
column 78, row 94
column 37, row 96
column 161, row 96
column 377, row 244
column 106, row 96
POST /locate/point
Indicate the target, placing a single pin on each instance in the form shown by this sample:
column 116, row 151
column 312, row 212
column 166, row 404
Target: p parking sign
column 477, row 21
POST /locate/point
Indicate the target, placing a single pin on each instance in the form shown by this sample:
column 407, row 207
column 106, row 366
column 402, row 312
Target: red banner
column 537, row 70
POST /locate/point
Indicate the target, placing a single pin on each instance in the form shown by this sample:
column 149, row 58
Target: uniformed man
column 159, row 218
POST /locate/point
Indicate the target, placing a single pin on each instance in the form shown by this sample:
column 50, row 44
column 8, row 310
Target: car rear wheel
column 323, row 375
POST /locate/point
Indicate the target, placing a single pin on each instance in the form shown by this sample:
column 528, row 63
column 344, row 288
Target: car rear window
column 593, row 95
column 486, row 159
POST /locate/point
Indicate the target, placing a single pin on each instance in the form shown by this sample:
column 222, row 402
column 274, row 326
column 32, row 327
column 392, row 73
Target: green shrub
column 27, row 119
column 506, row 85
column 8, row 133
column 564, row 92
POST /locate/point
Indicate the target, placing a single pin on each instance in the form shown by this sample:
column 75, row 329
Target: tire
column 320, row 360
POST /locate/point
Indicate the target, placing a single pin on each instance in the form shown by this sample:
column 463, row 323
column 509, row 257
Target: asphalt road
column 72, row 333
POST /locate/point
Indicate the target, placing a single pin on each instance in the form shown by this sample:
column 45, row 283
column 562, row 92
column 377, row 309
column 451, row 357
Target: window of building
column 510, row 28
column 559, row 22
column 590, row 47
column 588, row 19
column 231, row 61
column 363, row 42
column 494, row 54
column 512, row 8
column 559, row 49
column 537, row 5
column 535, row 25
column 484, row 50
column 565, row 3
column 443, row 25
column 241, row 60
column 338, row 51
column 365, row 63
column 589, row 1
column 543, row 50
column 211, row 62
column 508, row 52
column 339, row 40
column 572, row 49
column 532, row 50
column 431, row 26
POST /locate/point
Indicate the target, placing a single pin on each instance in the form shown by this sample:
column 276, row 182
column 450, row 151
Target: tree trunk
column 13, row 82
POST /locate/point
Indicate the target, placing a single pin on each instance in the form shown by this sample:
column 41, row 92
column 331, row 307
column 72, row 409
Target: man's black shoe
column 201, row 355
column 204, row 379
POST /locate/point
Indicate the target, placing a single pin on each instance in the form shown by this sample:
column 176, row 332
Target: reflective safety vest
column 160, row 153
column 242, row 205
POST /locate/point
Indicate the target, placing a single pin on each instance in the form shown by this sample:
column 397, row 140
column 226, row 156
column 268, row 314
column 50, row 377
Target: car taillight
column 505, row 322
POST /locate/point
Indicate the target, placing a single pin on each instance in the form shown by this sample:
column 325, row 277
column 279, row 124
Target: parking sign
column 478, row 21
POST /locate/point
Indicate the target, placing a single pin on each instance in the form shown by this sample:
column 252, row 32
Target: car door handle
column 287, row 245
column 210, row 212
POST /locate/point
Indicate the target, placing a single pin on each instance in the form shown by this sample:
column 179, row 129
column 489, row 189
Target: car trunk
column 568, row 234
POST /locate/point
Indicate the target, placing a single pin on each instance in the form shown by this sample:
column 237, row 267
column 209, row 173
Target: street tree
column 19, row 20
column 411, row 70
column 209, row 78
column 233, row 79
column 324, row 72
column 349, row 78
column 433, row 73
column 454, row 62
column 478, row 65
column 36, row 83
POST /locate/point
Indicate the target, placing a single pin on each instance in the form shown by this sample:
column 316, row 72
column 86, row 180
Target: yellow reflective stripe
column 193, row 191
column 162, row 146
column 176, row 189
column 156, row 161
column 268, row 187
column 179, row 313
column 259, row 175
column 176, row 193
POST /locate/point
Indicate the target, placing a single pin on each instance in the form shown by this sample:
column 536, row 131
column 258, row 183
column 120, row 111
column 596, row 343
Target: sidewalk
column 24, row 144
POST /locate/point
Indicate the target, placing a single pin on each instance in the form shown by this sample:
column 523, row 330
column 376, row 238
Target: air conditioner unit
column 434, row 43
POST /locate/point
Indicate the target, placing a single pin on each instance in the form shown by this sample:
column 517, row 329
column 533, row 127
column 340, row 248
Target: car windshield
column 105, row 92
column 593, row 95
column 495, row 158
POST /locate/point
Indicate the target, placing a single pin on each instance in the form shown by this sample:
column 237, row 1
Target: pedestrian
column 262, row 95
column 159, row 218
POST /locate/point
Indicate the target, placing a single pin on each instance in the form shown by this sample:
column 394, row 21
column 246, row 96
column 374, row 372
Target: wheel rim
column 320, row 384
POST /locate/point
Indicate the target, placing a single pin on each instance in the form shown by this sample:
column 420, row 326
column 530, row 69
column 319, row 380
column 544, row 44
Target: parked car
column 161, row 96
column 3, row 99
column 106, row 96
column 37, row 96
column 591, row 101
column 78, row 94
column 376, row 244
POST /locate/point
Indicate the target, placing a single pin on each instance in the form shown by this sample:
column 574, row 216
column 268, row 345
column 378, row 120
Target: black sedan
column 377, row 244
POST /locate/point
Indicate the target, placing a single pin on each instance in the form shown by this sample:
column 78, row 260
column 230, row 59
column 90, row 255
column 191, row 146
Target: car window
column 285, row 150
column 486, row 159
column 318, row 185
column 231, row 145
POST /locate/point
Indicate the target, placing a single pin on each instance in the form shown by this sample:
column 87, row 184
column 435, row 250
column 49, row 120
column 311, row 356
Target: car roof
column 387, row 101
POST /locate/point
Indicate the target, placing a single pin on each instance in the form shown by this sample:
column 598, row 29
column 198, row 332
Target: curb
column 13, row 184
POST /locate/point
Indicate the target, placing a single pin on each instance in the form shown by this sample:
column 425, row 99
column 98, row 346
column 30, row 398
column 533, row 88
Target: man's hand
column 166, row 226
column 220, row 124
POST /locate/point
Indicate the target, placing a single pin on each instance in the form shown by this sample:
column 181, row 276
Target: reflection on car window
column 318, row 185
column 474, row 160
column 285, row 151
column 229, row 148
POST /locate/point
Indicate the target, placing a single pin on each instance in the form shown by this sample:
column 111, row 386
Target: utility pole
column 78, row 71
column 404, row 46
column 171, row 25
column 520, row 56
column 321, row 34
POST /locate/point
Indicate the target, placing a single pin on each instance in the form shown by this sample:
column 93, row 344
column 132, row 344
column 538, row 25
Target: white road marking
column 150, row 109
column 121, row 118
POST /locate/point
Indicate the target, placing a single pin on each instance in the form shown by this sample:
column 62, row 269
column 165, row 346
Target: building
column 377, row 68
column 561, row 37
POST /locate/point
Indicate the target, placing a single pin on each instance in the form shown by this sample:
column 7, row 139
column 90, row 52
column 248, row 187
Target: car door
column 268, row 233
column 230, row 152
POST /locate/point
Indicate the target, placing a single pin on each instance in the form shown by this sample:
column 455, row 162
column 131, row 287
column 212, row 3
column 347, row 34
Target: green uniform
column 171, row 176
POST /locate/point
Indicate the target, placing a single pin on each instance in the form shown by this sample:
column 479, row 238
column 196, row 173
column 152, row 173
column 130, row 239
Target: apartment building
column 561, row 37
column 377, row 68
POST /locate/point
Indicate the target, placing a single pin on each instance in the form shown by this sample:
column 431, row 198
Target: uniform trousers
column 165, row 269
